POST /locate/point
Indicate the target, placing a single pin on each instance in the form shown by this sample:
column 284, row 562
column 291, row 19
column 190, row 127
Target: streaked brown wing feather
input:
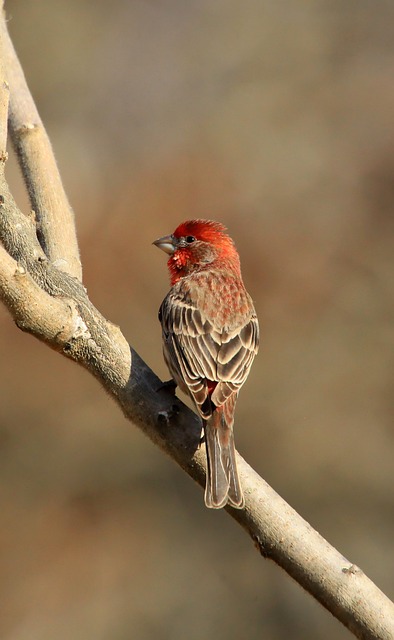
column 199, row 351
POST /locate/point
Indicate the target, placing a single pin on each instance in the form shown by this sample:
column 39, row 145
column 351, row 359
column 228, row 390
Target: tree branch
column 55, row 218
column 53, row 306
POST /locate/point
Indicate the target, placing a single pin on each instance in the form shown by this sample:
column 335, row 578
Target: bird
column 210, row 336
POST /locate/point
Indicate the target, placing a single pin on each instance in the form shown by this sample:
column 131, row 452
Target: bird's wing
column 204, row 353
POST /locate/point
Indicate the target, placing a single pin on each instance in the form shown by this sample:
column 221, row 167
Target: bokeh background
column 277, row 119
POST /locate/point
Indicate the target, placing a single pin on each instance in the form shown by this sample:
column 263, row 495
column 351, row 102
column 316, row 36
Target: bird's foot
column 168, row 385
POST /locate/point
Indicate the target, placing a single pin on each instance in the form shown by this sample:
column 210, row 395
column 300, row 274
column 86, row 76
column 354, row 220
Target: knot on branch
column 26, row 127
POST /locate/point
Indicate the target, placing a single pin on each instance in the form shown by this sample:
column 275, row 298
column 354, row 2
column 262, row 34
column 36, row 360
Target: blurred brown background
column 277, row 119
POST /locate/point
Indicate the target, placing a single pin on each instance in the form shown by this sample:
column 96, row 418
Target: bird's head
column 195, row 244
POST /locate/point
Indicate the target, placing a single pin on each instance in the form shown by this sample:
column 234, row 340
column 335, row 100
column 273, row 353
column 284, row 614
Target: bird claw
column 168, row 385
column 164, row 417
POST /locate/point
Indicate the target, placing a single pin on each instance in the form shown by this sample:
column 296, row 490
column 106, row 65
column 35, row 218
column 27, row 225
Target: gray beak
column 166, row 243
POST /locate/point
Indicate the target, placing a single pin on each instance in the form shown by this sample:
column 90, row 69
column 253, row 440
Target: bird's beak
column 166, row 243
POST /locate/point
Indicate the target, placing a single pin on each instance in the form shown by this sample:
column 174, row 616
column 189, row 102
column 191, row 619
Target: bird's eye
column 190, row 239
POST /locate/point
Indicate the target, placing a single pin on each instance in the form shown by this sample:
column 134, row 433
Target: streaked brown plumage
column 210, row 338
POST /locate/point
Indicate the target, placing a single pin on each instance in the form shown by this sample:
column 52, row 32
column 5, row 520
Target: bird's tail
column 223, row 485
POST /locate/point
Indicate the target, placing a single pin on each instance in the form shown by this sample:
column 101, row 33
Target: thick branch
column 55, row 219
column 53, row 306
column 31, row 306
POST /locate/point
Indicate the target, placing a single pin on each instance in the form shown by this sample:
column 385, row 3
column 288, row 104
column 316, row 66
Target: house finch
column 210, row 338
